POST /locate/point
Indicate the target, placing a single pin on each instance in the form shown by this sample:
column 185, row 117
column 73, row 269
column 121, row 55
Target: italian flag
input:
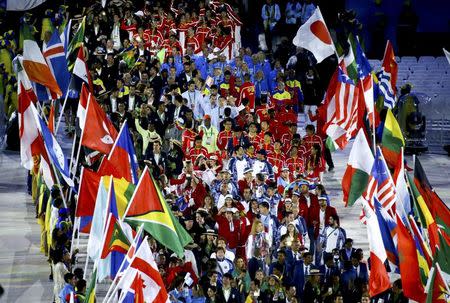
column 359, row 166
column 392, row 140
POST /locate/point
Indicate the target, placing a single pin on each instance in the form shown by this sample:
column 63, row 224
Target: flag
column 55, row 57
column 87, row 192
column 81, row 71
column 98, row 132
column 442, row 256
column 378, row 279
column 54, row 150
column 385, row 192
column 90, row 292
column 123, row 156
column 37, row 69
column 135, row 292
column 341, row 106
column 437, row 207
column 350, row 63
column 315, row 37
column 77, row 40
column 115, row 240
column 423, row 213
column 148, row 207
column 357, row 175
column 82, row 105
column 422, row 250
column 98, row 222
column 392, row 140
column 20, row 5
column 388, row 77
column 65, row 37
column 144, row 264
column 51, row 118
column 388, row 229
column 447, row 54
column 409, row 264
column 362, row 64
column 124, row 191
column 403, row 203
column 436, row 289
column 161, row 55
column 366, row 86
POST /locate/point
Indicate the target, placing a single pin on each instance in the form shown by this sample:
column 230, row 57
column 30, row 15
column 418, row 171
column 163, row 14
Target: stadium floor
column 24, row 270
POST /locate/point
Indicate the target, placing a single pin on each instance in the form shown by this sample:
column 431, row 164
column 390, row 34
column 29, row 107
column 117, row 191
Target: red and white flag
column 81, row 70
column 379, row 278
column 37, row 69
column 143, row 264
column 98, row 132
column 82, row 105
column 315, row 37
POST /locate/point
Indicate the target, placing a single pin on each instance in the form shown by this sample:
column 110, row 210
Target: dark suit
column 234, row 297
column 346, row 256
column 150, row 156
column 171, row 108
column 93, row 37
column 160, row 125
column 299, row 277
column 327, row 273
column 182, row 81
column 363, row 273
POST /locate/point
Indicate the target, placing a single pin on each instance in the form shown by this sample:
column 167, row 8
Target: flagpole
column 138, row 234
column 76, row 226
column 62, row 110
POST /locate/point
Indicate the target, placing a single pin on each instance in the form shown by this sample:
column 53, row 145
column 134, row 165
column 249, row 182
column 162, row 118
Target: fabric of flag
column 362, row 64
column 90, row 292
column 422, row 249
column 54, row 150
column 124, row 191
column 128, row 56
column 123, row 156
column 423, row 213
column 37, row 69
column 55, row 57
column 385, row 193
column 82, row 105
column 366, row 87
column 87, row 192
column 135, row 293
column 341, row 106
column 378, row 279
column 388, row 77
column 144, row 264
column 403, row 203
column 388, row 229
column 436, row 289
column 20, row 5
column 51, row 118
column 350, row 64
column 442, row 255
column 81, row 71
column 315, row 37
column 358, row 173
column 161, row 55
column 65, row 36
column 115, row 240
column 437, row 207
column 409, row 264
column 148, row 207
column 76, row 42
column 98, row 133
column 98, row 222
column 392, row 140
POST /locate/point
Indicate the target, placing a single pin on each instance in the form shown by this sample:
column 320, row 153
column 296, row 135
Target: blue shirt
column 68, row 288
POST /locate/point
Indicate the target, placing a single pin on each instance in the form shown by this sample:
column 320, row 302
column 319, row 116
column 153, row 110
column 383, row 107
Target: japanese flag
column 315, row 37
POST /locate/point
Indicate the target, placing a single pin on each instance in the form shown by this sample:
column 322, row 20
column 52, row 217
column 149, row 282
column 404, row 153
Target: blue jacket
column 298, row 276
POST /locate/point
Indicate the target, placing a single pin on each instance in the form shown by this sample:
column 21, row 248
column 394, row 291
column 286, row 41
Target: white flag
column 447, row 54
column 315, row 37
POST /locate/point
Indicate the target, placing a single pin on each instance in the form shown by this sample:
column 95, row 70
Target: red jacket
column 222, row 139
column 247, row 91
column 314, row 215
column 305, row 210
column 224, row 231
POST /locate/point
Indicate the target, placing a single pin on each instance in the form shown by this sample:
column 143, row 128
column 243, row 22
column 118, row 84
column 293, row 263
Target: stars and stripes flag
column 341, row 106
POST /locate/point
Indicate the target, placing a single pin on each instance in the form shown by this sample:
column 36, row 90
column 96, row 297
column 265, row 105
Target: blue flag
column 55, row 152
column 362, row 64
column 388, row 231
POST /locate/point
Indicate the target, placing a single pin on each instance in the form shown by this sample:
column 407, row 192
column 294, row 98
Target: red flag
column 390, row 65
column 81, row 70
column 409, row 264
column 99, row 133
column 87, row 193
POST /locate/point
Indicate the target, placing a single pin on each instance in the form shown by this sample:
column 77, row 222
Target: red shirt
column 193, row 153
column 222, row 139
column 247, row 91
column 309, row 141
column 276, row 159
column 296, row 165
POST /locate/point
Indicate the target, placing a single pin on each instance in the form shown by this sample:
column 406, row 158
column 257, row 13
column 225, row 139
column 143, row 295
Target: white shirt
column 226, row 293
column 321, row 220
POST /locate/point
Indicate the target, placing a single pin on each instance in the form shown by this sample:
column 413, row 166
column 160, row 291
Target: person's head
column 264, row 208
column 229, row 214
column 323, row 202
column 191, row 86
column 355, row 260
column 257, row 227
column 247, row 194
column 187, row 68
column 78, row 272
column 304, row 188
column 198, row 141
column 365, row 298
column 310, row 129
column 280, row 86
column 220, row 253
column 397, row 287
column 227, row 124
column 81, row 286
column 316, row 150
column 226, row 280
column 212, row 290
column 333, row 220
column 239, row 151
column 338, row 299
column 281, row 256
column 71, row 279
column 348, row 243
column 307, row 258
column 189, row 222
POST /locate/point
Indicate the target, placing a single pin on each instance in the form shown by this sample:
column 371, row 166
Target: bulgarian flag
column 392, row 140
column 357, row 175
column 37, row 69
column 148, row 207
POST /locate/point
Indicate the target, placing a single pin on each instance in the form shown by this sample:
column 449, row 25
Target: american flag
column 341, row 105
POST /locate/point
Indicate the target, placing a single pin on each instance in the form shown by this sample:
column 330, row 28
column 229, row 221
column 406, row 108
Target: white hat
column 240, row 108
column 139, row 13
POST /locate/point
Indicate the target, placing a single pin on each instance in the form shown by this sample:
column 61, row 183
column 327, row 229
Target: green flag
column 90, row 292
